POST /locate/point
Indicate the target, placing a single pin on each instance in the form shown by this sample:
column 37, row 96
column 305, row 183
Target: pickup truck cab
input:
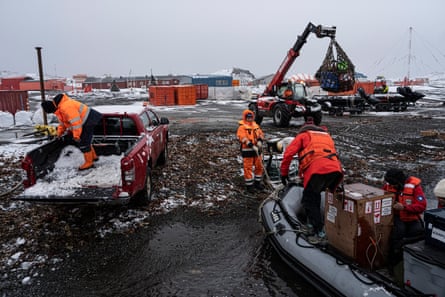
column 130, row 141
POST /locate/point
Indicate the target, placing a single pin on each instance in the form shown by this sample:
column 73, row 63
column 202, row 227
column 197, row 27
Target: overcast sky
column 134, row 37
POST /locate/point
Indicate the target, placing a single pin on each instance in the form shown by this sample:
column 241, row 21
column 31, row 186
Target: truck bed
column 60, row 181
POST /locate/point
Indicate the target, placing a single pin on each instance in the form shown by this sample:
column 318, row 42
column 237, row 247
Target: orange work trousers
column 253, row 169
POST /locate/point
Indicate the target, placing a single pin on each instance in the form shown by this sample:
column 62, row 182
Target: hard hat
column 280, row 146
column 439, row 189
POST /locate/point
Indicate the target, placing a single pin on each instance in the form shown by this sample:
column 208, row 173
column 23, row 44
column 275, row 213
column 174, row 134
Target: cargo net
column 336, row 74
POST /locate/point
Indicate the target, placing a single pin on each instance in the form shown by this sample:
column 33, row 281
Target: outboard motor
column 362, row 93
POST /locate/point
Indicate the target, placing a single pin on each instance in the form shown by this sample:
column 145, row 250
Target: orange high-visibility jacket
column 72, row 115
column 316, row 152
column 248, row 132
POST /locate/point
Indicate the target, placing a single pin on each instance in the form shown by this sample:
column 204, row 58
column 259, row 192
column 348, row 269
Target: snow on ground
column 105, row 174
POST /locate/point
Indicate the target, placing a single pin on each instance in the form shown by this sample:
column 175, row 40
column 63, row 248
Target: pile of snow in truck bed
column 66, row 178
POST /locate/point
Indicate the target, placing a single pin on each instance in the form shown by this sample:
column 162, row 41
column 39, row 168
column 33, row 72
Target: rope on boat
column 376, row 245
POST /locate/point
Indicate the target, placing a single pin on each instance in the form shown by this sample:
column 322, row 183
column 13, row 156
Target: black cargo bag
column 336, row 74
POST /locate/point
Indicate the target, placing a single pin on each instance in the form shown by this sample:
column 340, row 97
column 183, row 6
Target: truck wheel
column 163, row 157
column 253, row 107
column 144, row 196
column 281, row 116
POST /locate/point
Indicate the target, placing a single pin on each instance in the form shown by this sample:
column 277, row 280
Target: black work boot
column 258, row 185
column 250, row 189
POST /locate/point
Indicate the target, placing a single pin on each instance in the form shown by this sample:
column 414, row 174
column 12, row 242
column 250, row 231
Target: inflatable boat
column 333, row 274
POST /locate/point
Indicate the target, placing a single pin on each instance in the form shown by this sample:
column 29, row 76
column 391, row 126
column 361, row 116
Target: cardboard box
column 358, row 223
column 435, row 227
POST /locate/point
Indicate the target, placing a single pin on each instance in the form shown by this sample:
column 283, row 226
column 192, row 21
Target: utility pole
column 42, row 84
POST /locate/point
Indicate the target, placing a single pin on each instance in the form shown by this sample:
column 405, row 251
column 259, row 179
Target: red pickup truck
column 130, row 140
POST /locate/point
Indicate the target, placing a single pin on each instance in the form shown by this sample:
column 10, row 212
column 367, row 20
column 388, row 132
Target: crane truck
column 275, row 103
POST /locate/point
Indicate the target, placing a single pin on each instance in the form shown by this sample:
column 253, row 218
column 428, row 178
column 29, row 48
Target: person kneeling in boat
column 410, row 203
column 79, row 120
column 319, row 167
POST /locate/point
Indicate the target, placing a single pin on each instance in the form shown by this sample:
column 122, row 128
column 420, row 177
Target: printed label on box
column 348, row 205
column 386, row 206
column 376, row 217
column 377, row 205
column 368, row 207
column 332, row 214
column 387, row 202
column 438, row 234
column 330, row 198
column 333, row 210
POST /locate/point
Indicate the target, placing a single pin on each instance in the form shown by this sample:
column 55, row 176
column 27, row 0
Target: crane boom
column 320, row 31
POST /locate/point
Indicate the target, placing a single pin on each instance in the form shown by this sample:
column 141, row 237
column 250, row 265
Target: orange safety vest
column 406, row 197
column 320, row 146
column 72, row 115
column 288, row 93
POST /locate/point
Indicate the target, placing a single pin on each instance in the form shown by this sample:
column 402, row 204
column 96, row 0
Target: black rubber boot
column 259, row 186
column 250, row 189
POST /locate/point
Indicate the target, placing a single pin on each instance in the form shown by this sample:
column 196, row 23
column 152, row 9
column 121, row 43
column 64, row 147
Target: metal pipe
column 42, row 84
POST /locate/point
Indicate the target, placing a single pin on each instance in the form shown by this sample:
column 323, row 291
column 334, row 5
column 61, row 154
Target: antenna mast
column 409, row 53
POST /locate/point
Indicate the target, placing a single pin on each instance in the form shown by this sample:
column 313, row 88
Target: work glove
column 398, row 206
column 255, row 148
column 65, row 136
column 250, row 144
column 284, row 179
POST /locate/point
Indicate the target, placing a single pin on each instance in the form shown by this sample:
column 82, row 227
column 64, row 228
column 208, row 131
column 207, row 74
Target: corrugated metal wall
column 13, row 101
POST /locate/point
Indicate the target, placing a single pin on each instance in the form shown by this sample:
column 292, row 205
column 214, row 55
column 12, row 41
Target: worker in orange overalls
column 319, row 167
column 78, row 120
column 409, row 205
column 251, row 139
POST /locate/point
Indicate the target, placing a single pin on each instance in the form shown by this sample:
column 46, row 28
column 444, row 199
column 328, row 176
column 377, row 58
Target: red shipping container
column 185, row 95
column 202, row 91
column 13, row 101
column 162, row 95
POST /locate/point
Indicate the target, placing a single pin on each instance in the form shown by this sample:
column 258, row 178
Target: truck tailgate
column 80, row 196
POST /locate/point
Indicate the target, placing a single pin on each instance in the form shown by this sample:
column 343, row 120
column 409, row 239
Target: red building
column 49, row 85
column 12, row 83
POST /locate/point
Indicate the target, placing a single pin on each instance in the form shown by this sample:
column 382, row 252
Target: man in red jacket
column 319, row 167
column 409, row 205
